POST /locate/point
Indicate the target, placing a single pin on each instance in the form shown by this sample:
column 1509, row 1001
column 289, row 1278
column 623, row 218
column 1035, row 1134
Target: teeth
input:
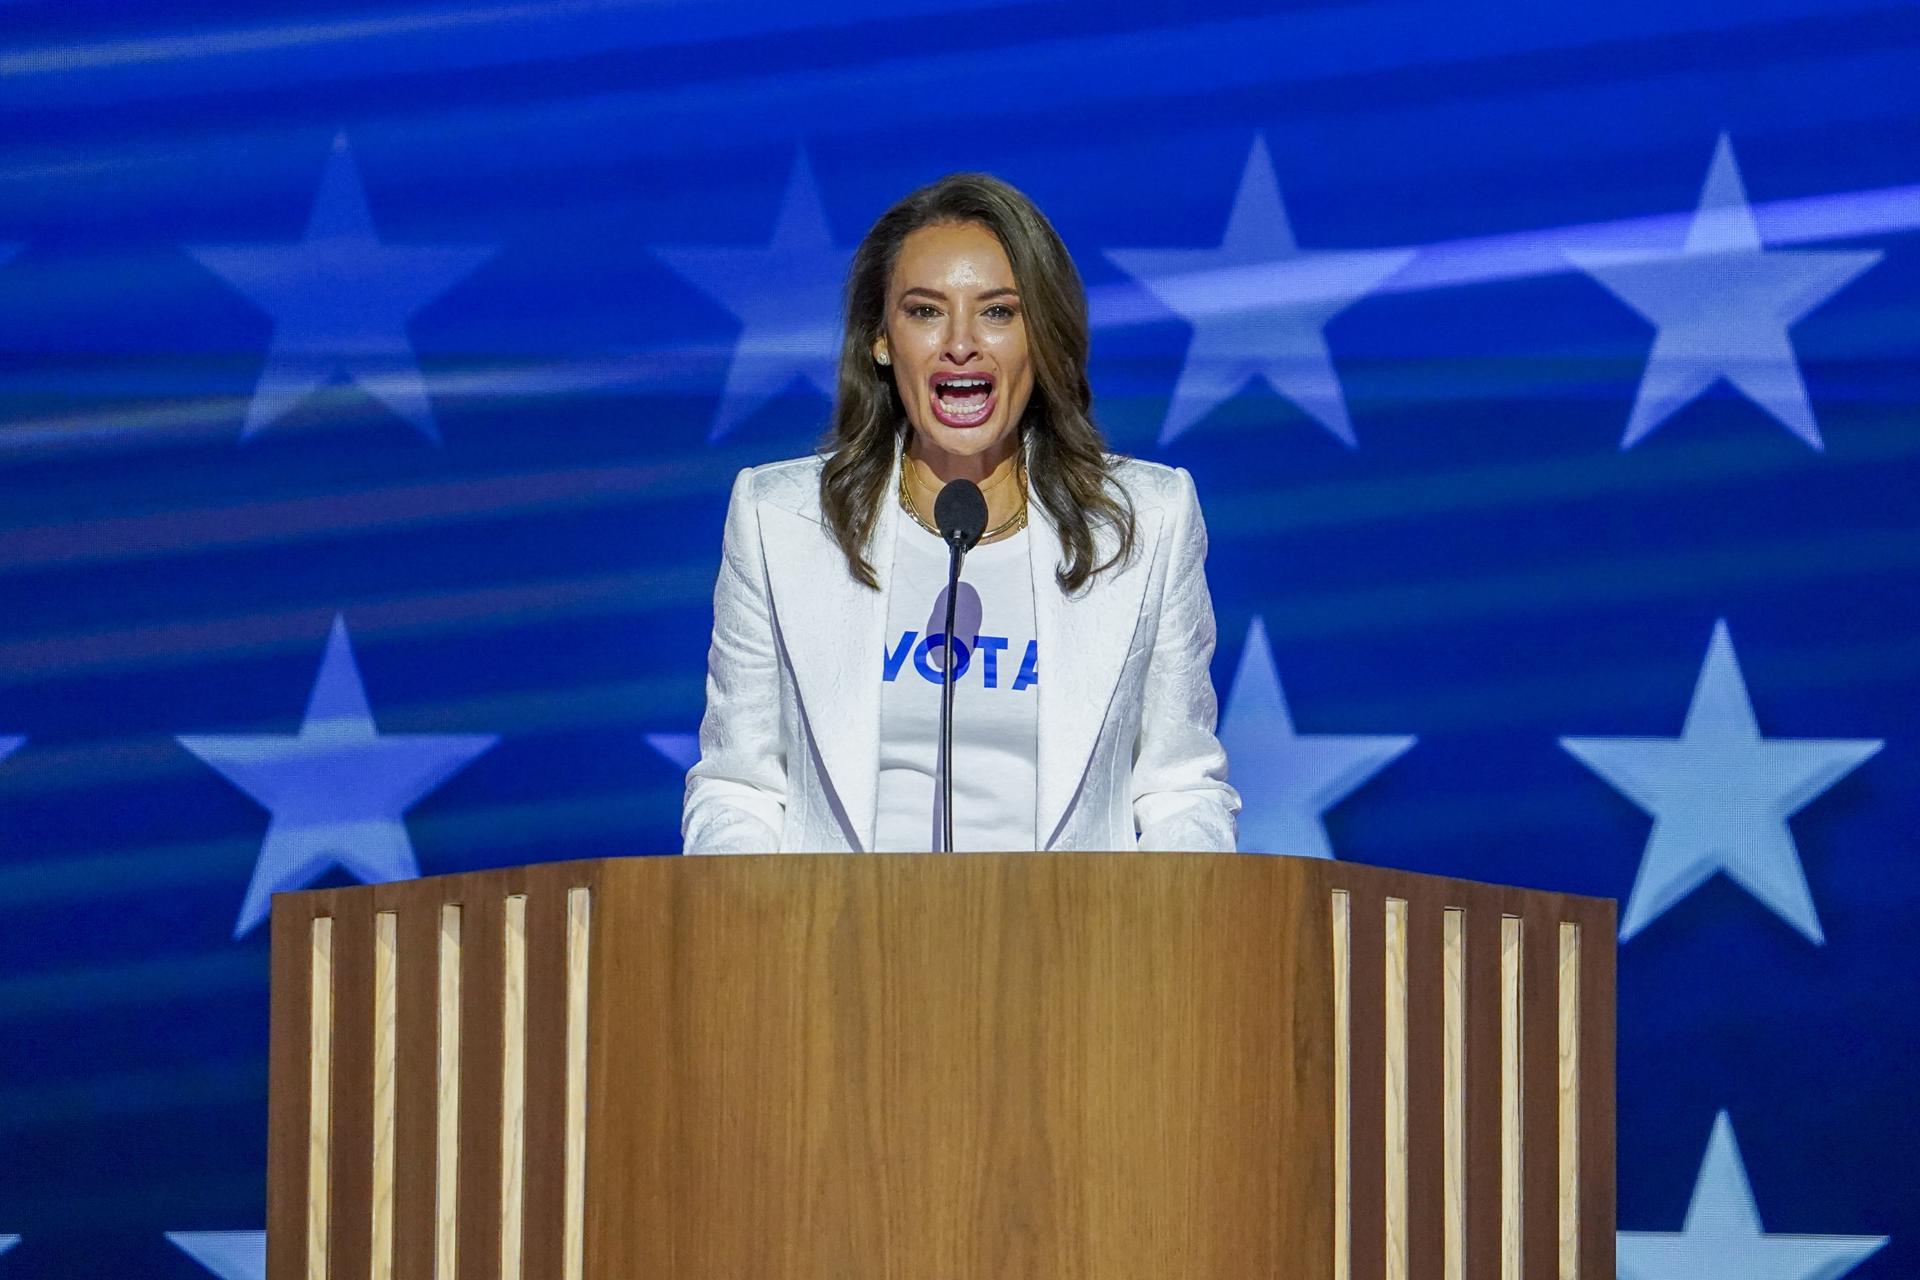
column 964, row 384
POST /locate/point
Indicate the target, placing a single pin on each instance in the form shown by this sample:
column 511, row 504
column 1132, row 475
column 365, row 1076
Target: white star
column 786, row 297
column 1722, row 1239
column 231, row 1255
column 1720, row 796
column 340, row 300
column 1287, row 779
column 682, row 749
column 1723, row 305
column 337, row 788
column 1257, row 305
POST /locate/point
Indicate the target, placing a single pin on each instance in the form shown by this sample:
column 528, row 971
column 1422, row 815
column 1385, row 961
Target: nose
column 963, row 345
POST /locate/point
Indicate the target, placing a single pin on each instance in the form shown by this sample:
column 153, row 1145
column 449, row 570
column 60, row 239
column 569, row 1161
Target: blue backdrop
column 372, row 379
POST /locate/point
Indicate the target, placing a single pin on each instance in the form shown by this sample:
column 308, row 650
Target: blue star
column 1722, row 1239
column 1720, row 796
column 1258, row 305
column 337, row 788
column 231, row 1255
column 9, row 745
column 786, row 297
column 340, row 300
column 1722, row 305
column 682, row 749
column 1289, row 779
column 7, row 1242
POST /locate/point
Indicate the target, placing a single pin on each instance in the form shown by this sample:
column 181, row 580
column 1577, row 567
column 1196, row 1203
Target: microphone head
column 961, row 513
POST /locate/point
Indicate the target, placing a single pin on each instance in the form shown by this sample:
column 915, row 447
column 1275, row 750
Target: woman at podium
column 1083, row 708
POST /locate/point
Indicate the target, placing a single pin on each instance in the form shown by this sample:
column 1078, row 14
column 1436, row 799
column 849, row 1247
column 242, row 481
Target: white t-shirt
column 996, row 679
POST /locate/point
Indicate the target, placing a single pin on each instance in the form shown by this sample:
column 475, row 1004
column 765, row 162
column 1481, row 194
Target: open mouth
column 963, row 399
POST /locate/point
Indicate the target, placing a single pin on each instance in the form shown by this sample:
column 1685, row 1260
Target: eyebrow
column 938, row 296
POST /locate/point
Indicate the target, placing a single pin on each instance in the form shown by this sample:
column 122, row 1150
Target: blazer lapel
column 833, row 628
column 1084, row 641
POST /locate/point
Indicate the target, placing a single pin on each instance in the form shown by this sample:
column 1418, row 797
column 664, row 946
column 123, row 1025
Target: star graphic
column 337, row 788
column 786, row 297
column 1723, row 305
column 1289, row 779
column 7, row 1242
column 340, row 301
column 231, row 1255
column 1722, row 1239
column 682, row 749
column 1258, row 305
column 9, row 745
column 1720, row 796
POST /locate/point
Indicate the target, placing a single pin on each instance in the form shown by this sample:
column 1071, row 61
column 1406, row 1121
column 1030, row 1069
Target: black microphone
column 961, row 513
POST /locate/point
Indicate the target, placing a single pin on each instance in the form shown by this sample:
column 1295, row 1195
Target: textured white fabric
column 995, row 697
column 790, row 743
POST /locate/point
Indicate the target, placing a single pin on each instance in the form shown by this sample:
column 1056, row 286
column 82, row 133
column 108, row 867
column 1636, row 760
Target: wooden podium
column 916, row 1067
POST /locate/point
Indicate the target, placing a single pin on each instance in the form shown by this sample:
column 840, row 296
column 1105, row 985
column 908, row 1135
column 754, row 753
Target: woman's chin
column 965, row 442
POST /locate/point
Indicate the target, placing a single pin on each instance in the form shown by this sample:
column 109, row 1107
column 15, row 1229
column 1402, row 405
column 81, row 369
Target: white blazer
column 790, row 743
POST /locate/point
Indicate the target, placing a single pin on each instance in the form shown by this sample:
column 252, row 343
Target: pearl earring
column 884, row 358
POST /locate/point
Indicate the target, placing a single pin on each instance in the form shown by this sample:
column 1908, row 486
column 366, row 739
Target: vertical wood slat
column 574, row 1197
column 543, row 1143
column 1597, row 1189
column 290, row 1081
column 320, row 986
column 418, row 905
column 1426, row 1097
column 1569, row 1109
column 1342, row 1084
column 482, row 947
column 1369, row 1071
column 1512, row 1104
column 446, row 1095
column 1453, row 1249
column 1483, row 928
column 386, row 1035
column 1394, row 1091
column 350, row 1224
column 1540, row 1092
column 513, row 1087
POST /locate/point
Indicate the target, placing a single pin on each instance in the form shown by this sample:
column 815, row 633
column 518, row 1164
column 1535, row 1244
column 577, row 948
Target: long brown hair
column 1067, row 463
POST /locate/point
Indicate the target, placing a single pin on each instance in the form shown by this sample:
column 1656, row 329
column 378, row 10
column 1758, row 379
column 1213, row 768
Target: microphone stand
column 955, row 552
column 960, row 512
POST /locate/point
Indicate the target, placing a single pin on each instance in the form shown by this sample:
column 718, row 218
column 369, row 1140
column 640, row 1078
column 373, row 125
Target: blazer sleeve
column 737, row 792
column 1181, row 799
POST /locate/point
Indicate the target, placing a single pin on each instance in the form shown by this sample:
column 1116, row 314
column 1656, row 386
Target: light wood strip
column 513, row 1087
column 1512, row 1130
column 579, row 925
column 1569, row 1101
column 1396, row 1089
column 446, row 1105
column 1454, row 1096
column 319, row 1095
column 1342, row 1086
column 386, row 1037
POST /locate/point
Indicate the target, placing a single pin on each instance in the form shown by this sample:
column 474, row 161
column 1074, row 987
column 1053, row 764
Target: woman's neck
column 929, row 471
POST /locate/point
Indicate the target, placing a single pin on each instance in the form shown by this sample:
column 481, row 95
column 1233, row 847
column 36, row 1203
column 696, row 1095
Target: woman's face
column 956, row 337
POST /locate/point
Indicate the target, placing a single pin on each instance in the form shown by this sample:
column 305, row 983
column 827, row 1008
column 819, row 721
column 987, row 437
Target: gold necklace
column 1012, row 524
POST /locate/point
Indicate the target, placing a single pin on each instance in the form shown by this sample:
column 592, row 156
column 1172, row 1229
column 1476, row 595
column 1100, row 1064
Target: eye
column 922, row 310
column 1001, row 311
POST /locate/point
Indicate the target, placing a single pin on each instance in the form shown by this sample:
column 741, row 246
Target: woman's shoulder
column 791, row 483
column 1149, row 484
